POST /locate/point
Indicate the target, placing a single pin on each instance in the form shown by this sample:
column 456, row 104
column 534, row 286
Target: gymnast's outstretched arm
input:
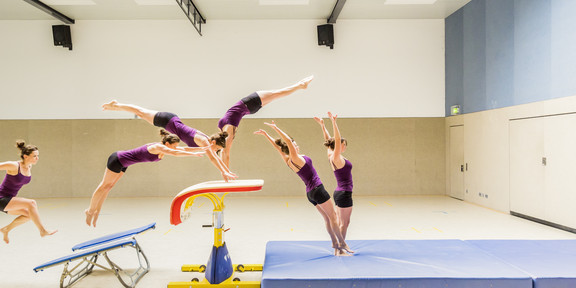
column 271, row 140
column 320, row 121
column 177, row 151
column 210, row 146
column 11, row 167
column 294, row 157
column 194, row 149
column 231, row 130
column 337, row 158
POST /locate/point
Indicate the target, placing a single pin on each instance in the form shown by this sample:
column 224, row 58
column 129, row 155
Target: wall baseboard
column 544, row 222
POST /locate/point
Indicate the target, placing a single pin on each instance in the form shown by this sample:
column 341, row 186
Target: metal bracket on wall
column 193, row 14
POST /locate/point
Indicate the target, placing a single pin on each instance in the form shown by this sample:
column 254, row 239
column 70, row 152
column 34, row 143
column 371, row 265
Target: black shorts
column 161, row 119
column 343, row 199
column 318, row 195
column 252, row 102
column 4, row 202
column 114, row 164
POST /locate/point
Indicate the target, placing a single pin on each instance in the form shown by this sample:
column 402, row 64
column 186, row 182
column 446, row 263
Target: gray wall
column 390, row 156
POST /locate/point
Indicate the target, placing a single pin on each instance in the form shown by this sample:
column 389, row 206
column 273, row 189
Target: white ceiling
column 231, row 9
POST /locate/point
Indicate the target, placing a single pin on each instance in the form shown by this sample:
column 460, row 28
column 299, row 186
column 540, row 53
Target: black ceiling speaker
column 62, row 36
column 326, row 35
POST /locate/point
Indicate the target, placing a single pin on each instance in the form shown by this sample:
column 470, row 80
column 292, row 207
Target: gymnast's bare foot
column 110, row 105
column 5, row 232
column 95, row 218
column 304, row 82
column 340, row 252
column 89, row 217
column 345, row 247
column 47, row 233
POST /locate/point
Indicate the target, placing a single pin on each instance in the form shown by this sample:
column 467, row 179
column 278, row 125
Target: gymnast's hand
column 228, row 176
column 319, row 121
column 261, row 132
column 273, row 124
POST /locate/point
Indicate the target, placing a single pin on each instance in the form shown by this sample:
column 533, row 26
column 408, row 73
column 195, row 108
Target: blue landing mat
column 552, row 263
column 388, row 263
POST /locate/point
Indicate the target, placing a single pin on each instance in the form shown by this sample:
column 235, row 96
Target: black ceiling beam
column 193, row 14
column 51, row 11
column 336, row 11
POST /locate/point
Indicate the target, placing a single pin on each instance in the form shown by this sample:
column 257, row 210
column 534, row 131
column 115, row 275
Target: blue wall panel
column 474, row 73
column 499, row 54
column 563, row 48
column 454, row 65
column 510, row 52
column 532, row 60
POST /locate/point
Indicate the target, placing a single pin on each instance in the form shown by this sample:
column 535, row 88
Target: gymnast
column 250, row 105
column 192, row 137
column 18, row 174
column 342, row 168
column 119, row 161
column 317, row 195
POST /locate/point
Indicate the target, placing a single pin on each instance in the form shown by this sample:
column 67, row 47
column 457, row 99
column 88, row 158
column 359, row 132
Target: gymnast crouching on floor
column 119, row 161
column 317, row 195
column 18, row 174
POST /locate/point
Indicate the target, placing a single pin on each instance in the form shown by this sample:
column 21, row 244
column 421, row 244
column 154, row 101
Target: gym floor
column 253, row 221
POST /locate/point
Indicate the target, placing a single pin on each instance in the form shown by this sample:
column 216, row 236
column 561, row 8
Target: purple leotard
column 234, row 115
column 12, row 184
column 344, row 177
column 308, row 174
column 136, row 155
column 185, row 133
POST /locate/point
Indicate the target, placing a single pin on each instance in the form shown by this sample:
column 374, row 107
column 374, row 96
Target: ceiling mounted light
column 284, row 2
column 409, row 2
column 155, row 2
column 68, row 2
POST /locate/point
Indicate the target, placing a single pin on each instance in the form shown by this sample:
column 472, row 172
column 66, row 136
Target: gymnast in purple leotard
column 315, row 192
column 192, row 137
column 119, row 161
column 18, row 174
column 250, row 105
column 342, row 168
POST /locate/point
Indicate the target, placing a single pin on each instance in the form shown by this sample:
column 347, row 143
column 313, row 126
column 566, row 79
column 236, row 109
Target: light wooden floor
column 252, row 221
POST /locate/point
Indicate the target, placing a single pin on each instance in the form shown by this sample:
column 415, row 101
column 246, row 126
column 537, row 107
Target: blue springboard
column 113, row 237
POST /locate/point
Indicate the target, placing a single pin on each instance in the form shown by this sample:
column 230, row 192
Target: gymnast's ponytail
column 283, row 146
column 331, row 142
column 25, row 149
column 168, row 137
column 219, row 138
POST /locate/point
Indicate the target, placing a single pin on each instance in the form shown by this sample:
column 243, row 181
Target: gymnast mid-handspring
column 119, row 161
column 18, row 174
column 249, row 105
column 192, row 137
column 315, row 192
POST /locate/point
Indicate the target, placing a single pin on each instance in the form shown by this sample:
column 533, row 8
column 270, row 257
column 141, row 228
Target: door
column 457, row 162
column 560, row 175
column 527, row 164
